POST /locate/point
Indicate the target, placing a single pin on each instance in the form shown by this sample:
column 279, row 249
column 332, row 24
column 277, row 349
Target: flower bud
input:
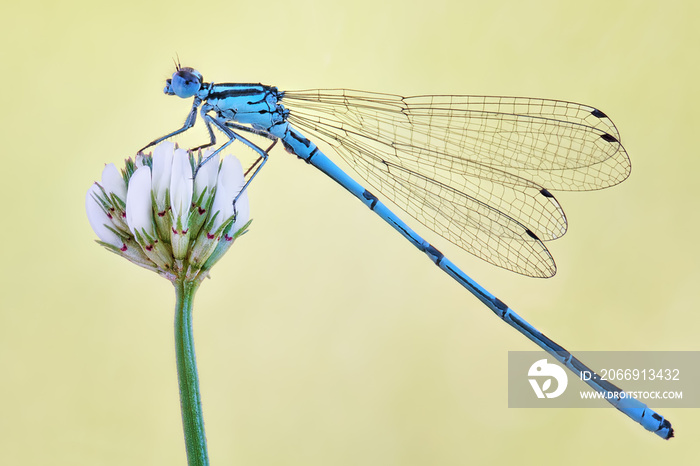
column 162, row 219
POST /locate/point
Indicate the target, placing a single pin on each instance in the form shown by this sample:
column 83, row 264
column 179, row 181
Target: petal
column 231, row 175
column 223, row 204
column 237, row 180
column 181, row 184
column 113, row 182
column 229, row 184
column 99, row 220
column 139, row 206
column 242, row 210
column 162, row 168
column 207, row 174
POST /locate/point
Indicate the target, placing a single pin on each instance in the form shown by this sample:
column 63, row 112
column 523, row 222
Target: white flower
column 180, row 202
column 162, row 168
column 222, row 208
column 231, row 215
column 204, row 187
column 181, row 185
column 207, row 174
column 228, row 186
column 101, row 221
column 107, row 218
column 113, row 181
column 113, row 189
column 164, row 220
column 139, row 204
column 242, row 211
column 138, row 160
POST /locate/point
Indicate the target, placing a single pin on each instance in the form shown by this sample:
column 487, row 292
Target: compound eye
column 185, row 83
column 169, row 87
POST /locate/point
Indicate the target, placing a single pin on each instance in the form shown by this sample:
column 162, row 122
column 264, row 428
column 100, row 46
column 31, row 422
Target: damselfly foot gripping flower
column 157, row 216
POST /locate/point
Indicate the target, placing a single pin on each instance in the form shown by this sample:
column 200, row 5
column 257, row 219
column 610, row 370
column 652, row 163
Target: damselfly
column 476, row 170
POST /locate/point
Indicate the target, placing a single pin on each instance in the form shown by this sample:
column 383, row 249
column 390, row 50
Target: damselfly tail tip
column 667, row 425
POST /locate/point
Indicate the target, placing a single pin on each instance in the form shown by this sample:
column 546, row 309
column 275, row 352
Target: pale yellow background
column 323, row 337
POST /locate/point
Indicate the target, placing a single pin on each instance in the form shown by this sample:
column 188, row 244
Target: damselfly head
column 185, row 83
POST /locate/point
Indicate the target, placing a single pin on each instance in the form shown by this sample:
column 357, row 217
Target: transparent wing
column 471, row 168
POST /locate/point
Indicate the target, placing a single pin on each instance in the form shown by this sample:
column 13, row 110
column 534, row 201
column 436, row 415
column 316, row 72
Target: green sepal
column 158, row 252
column 197, row 219
column 133, row 254
column 178, row 241
column 112, row 206
column 165, row 222
column 224, row 244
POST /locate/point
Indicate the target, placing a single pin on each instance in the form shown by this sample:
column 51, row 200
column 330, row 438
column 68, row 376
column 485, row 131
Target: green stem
column 190, row 402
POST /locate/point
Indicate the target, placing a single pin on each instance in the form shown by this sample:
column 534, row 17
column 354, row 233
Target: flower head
column 157, row 216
